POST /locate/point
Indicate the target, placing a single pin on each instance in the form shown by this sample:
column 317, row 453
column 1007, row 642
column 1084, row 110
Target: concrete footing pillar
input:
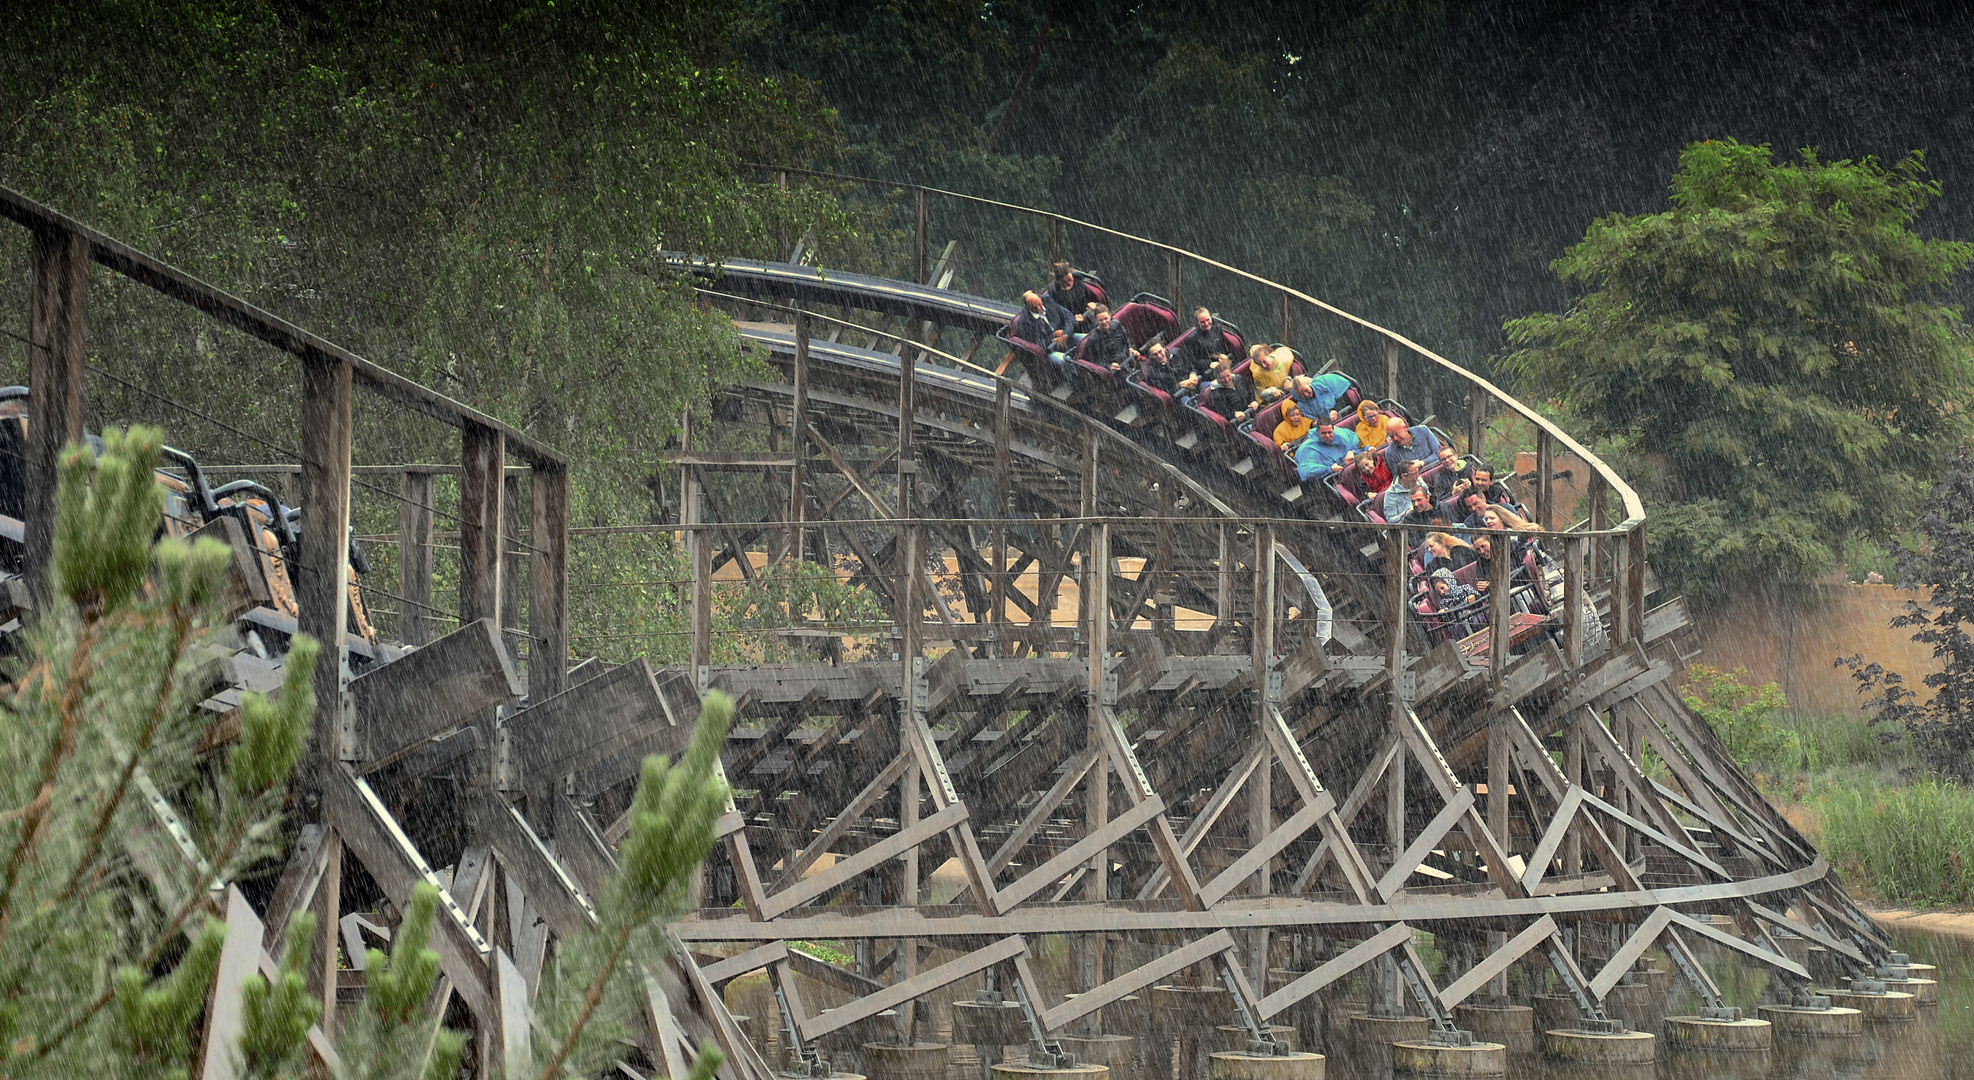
column 1432, row 1059
column 919, row 1061
column 1697, row 1033
column 1553, row 1011
column 1370, row 1039
column 1233, row 1037
column 1633, row 1003
column 1229, row 1065
column 1629, row 1048
column 1187, row 1014
column 1831, row 1023
column 1890, row 1007
column 1078, row 1071
column 1513, row 1026
column 1118, row 1053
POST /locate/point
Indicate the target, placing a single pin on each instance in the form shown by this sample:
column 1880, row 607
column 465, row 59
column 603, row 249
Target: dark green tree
column 1942, row 726
column 1769, row 358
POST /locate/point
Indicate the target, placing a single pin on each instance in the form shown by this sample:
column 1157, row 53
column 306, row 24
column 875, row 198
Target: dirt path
column 1956, row 923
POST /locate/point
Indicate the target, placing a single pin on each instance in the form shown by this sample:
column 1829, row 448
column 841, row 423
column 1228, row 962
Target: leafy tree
column 101, row 721
column 1768, row 358
column 1942, row 726
column 1740, row 715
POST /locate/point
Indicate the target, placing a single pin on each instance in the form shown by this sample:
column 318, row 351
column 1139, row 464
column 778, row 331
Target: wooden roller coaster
column 1182, row 719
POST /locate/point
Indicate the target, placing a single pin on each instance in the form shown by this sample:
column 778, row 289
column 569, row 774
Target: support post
column 1003, row 432
column 1573, row 601
column 798, row 477
column 1396, row 583
column 1497, row 823
column 1635, row 587
column 1477, row 400
column 1288, row 321
column 328, row 894
column 1096, row 602
column 699, row 553
column 1600, row 520
column 1545, row 480
column 1223, row 607
column 482, row 466
column 1500, row 633
column 513, row 556
column 322, row 586
column 56, row 331
column 921, row 239
column 1394, row 352
column 1175, row 285
column 1260, row 793
column 1622, row 628
column 415, row 559
column 548, row 584
column 1055, row 241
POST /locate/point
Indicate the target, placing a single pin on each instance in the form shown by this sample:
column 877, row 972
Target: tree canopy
column 1769, row 358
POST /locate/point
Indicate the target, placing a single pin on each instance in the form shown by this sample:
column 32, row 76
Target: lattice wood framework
column 1163, row 716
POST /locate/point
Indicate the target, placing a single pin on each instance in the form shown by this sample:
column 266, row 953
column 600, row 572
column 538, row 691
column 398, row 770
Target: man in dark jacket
column 1205, row 341
column 1223, row 397
column 1162, row 374
column 1036, row 323
column 1072, row 295
column 1107, row 345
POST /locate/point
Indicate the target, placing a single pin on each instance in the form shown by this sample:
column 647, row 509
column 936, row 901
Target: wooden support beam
column 239, row 957
column 1429, row 838
column 523, row 854
column 799, row 864
column 914, row 987
column 415, row 615
column 548, row 583
column 1118, row 988
column 745, row 963
column 359, row 818
column 1394, row 355
column 591, row 723
column 1545, row 479
column 1090, row 846
column 58, row 291
column 871, row 857
column 483, row 465
column 323, row 571
column 1498, row 961
column 400, row 705
column 1378, row 944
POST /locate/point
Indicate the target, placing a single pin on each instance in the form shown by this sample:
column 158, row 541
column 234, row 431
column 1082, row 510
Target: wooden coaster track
column 1182, row 723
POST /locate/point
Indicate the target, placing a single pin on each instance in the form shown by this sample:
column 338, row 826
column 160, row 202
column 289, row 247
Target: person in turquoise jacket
column 1322, row 453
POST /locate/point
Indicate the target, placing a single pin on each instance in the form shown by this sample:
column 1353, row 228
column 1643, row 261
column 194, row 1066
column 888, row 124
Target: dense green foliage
column 1911, row 844
column 1940, row 724
column 470, row 194
column 1769, row 357
column 102, row 718
column 1742, row 716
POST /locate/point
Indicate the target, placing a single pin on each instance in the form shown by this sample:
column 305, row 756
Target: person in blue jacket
column 1323, row 453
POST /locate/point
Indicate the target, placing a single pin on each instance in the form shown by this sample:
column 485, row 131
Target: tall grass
column 1912, row 844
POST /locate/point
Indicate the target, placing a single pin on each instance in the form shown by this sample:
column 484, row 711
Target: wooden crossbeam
column 1080, row 852
column 427, row 691
column 549, row 886
column 1498, row 961
column 877, row 854
column 1119, row 987
column 752, row 960
column 1349, row 960
column 360, row 819
column 1429, row 838
column 1039, row 813
column 851, row 814
column 1252, row 861
column 917, row 986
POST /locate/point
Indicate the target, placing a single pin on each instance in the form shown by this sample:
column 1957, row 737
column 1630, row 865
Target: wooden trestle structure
column 1232, row 758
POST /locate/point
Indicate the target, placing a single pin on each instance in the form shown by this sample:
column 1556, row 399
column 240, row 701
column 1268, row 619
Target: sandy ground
column 1955, row 923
